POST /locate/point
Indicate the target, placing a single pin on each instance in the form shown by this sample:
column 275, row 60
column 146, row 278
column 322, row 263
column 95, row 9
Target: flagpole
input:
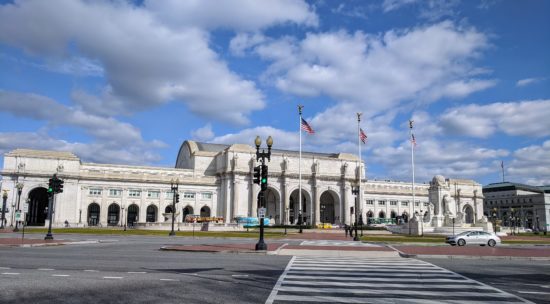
column 502, row 167
column 412, row 162
column 358, row 202
column 300, row 170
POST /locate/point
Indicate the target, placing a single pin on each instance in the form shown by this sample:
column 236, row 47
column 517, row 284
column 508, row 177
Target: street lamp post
column 174, row 186
column 421, row 222
column 19, row 190
column 495, row 220
column 512, row 221
column 123, row 219
column 261, row 156
column 4, row 199
column 286, row 216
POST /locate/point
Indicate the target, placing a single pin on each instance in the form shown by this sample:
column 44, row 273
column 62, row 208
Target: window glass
column 95, row 191
column 153, row 194
column 115, row 192
column 189, row 195
column 206, row 195
column 134, row 193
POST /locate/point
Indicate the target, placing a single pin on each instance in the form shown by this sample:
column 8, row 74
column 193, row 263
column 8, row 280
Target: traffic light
column 177, row 198
column 257, row 172
column 60, row 183
column 263, row 181
column 355, row 190
column 50, row 185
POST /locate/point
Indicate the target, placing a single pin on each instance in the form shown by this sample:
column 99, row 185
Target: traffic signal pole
column 49, row 235
column 263, row 172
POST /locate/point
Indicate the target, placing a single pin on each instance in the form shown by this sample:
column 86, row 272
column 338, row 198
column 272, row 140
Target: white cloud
column 203, row 134
column 522, row 118
column 531, row 165
column 144, row 63
column 379, row 72
column 528, row 81
column 391, row 5
column 281, row 139
column 113, row 140
column 239, row 15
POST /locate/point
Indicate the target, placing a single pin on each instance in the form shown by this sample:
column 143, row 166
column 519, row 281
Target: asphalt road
column 133, row 270
column 525, row 278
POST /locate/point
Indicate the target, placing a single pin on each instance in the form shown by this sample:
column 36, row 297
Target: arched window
column 93, row 214
column 382, row 214
column 187, row 210
column 205, row 211
column 393, row 214
column 151, row 214
column 168, row 209
column 113, row 215
column 133, row 214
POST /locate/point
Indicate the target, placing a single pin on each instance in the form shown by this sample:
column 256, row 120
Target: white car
column 473, row 237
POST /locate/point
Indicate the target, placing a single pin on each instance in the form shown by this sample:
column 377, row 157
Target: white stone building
column 216, row 180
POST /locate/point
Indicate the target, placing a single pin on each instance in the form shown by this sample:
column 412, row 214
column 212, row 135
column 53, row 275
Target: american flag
column 306, row 127
column 362, row 135
column 413, row 140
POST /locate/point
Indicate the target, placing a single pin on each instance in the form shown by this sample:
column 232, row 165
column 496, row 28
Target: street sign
column 25, row 207
column 261, row 212
column 18, row 215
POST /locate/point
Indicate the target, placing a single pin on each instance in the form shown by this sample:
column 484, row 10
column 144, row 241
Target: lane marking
column 137, row 272
column 91, row 270
column 169, row 280
column 60, row 275
column 112, row 277
column 533, row 292
column 239, row 275
column 275, row 289
column 11, row 273
column 45, row 269
column 5, row 267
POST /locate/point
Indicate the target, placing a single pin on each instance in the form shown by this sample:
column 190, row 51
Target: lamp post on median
column 495, row 220
column 261, row 156
column 174, row 186
column 4, row 199
column 19, row 190
column 124, row 219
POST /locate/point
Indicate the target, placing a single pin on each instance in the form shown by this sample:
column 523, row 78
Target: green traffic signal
column 50, row 190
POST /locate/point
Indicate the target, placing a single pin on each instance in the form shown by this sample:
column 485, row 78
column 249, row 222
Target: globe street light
column 19, row 190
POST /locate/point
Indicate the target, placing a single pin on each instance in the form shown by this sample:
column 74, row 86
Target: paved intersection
column 378, row 280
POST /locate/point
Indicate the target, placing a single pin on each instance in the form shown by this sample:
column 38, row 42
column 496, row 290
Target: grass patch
column 252, row 233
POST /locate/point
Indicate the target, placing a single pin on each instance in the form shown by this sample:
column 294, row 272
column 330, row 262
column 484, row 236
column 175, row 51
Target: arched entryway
column 382, row 214
column 272, row 204
column 168, row 209
column 405, row 217
column 133, row 215
column 113, row 215
column 187, row 210
column 205, row 211
column 93, row 214
column 38, row 201
column 393, row 214
column 294, row 207
column 329, row 207
column 151, row 216
column 468, row 214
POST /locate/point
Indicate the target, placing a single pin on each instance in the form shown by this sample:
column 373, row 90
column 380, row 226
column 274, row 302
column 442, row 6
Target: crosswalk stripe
column 320, row 279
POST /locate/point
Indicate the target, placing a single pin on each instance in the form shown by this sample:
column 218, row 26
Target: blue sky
column 128, row 82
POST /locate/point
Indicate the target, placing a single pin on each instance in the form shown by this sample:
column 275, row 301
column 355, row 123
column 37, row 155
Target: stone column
column 346, row 199
column 286, row 200
column 317, row 204
column 236, row 189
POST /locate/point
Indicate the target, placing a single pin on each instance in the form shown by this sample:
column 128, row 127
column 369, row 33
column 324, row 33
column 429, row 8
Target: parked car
column 473, row 237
